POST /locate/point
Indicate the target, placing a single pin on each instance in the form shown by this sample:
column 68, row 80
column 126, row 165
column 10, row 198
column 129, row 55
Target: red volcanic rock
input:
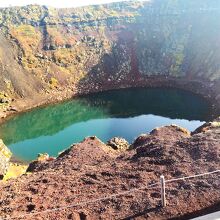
column 71, row 185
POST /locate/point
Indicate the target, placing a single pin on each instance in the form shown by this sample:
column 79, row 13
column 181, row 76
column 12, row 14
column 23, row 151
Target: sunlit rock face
column 5, row 156
column 84, row 48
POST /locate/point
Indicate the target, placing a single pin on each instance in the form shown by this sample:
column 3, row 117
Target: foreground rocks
column 119, row 144
column 5, row 155
column 91, row 170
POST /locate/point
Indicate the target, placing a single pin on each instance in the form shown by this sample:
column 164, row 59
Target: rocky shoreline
column 207, row 90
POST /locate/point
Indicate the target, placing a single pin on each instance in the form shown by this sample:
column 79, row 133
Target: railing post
column 163, row 192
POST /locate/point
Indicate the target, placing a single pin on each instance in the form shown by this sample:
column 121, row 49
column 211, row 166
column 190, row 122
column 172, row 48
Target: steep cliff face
column 43, row 49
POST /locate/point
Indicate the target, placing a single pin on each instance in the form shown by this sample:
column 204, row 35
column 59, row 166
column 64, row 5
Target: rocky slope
column 5, row 156
column 53, row 54
column 91, row 170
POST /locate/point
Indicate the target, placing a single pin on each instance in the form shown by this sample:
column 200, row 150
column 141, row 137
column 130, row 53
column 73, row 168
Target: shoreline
column 41, row 100
column 56, row 97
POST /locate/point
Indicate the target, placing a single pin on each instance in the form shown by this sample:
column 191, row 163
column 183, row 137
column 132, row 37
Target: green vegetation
column 33, row 14
column 30, row 14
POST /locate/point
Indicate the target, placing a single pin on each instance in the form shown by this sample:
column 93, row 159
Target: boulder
column 118, row 143
column 43, row 157
column 5, row 156
column 208, row 126
column 4, row 98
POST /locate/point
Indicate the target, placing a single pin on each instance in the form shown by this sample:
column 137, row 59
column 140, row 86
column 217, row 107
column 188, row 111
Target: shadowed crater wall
column 95, row 48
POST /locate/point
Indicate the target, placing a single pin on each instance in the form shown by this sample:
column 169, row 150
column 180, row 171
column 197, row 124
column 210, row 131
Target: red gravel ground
column 91, row 170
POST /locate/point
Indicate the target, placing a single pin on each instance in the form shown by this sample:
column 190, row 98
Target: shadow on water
column 124, row 113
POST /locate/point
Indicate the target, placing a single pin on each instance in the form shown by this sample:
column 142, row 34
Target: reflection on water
column 126, row 113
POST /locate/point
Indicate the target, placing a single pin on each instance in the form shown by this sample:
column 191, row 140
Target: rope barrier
column 151, row 186
column 190, row 177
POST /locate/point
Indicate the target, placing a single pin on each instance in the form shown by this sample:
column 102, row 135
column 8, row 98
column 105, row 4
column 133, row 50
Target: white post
column 163, row 192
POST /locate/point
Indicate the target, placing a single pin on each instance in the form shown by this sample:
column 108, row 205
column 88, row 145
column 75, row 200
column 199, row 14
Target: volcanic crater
column 49, row 55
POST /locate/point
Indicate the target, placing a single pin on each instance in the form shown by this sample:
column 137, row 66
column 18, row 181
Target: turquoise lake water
column 126, row 113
